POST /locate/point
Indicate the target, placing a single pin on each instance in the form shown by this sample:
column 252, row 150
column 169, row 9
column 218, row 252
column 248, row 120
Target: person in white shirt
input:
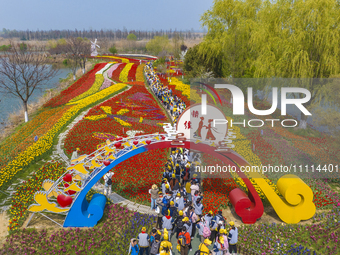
column 108, row 183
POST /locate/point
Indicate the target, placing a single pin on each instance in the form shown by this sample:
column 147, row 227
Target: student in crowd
column 143, row 239
column 154, row 195
column 134, row 249
column 232, row 238
column 184, row 240
column 203, row 247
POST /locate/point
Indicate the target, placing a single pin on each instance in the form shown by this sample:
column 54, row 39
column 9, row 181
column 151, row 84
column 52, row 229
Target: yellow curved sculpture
column 297, row 202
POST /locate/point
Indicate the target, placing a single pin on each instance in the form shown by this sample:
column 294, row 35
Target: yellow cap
column 166, row 237
column 173, row 152
column 172, row 203
column 167, row 186
column 231, row 223
column 177, row 164
column 159, row 232
column 78, row 149
column 173, row 175
column 195, row 175
column 169, row 167
column 143, row 229
column 178, row 194
column 180, row 213
column 185, row 219
column 207, row 241
column 221, row 231
column 211, row 212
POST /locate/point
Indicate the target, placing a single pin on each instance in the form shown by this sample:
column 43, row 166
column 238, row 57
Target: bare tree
column 23, row 72
column 85, row 51
column 73, row 50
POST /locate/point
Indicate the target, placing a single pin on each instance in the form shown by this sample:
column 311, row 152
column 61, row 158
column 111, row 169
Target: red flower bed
column 76, row 89
column 132, row 72
column 116, row 73
column 134, row 177
column 216, row 190
column 137, row 100
column 265, row 151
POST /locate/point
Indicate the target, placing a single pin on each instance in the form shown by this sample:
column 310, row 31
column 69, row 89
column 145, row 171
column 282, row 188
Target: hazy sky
column 102, row 14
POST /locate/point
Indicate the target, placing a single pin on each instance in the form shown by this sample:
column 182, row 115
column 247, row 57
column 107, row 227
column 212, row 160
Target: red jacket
column 187, row 236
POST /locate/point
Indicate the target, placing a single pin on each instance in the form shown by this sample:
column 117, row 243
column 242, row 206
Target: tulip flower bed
column 116, row 73
column 24, row 137
column 140, row 73
column 125, row 72
column 321, row 238
column 24, row 195
column 132, row 73
column 83, row 84
column 45, row 143
column 111, row 236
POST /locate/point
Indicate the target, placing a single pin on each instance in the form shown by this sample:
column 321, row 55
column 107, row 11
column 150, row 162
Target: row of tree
column 272, row 39
column 99, row 34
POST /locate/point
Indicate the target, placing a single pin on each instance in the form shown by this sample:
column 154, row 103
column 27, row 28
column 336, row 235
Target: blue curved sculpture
column 82, row 215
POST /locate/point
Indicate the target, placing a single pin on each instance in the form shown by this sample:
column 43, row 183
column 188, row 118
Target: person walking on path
column 134, row 249
column 188, row 227
column 188, row 189
column 154, row 195
column 179, row 202
column 198, row 207
column 179, row 223
column 203, row 247
column 203, row 229
column 143, row 239
column 108, row 183
column 167, row 223
column 160, row 205
column 232, row 238
column 165, row 246
column 184, row 240
column 155, row 246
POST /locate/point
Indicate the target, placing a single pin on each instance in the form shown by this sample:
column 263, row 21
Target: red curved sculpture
column 250, row 210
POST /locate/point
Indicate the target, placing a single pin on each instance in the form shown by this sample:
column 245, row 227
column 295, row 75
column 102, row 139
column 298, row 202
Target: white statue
column 94, row 44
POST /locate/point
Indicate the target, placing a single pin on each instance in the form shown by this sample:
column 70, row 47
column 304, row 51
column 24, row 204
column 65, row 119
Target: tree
column 176, row 45
column 281, row 39
column 158, row 44
column 74, row 49
column 131, row 37
column 23, row 72
column 113, row 49
column 85, row 51
column 197, row 64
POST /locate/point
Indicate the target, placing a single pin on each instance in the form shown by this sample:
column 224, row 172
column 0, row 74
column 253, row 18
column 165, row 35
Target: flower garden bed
column 112, row 236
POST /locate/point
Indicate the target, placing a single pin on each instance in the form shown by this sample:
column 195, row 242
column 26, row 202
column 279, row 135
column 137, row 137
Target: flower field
column 135, row 109
column 24, row 195
column 118, row 224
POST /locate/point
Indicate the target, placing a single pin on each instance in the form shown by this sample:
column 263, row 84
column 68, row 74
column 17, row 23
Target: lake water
column 12, row 104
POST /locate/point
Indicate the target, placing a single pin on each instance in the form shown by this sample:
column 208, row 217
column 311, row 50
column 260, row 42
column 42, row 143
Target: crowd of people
column 172, row 103
column 178, row 203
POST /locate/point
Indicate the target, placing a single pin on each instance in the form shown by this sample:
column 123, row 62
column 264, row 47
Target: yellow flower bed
column 123, row 77
column 122, row 111
column 122, row 122
column 106, row 109
column 95, row 88
column 140, row 119
column 45, row 142
column 185, row 88
column 139, row 73
column 96, row 117
column 243, row 147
